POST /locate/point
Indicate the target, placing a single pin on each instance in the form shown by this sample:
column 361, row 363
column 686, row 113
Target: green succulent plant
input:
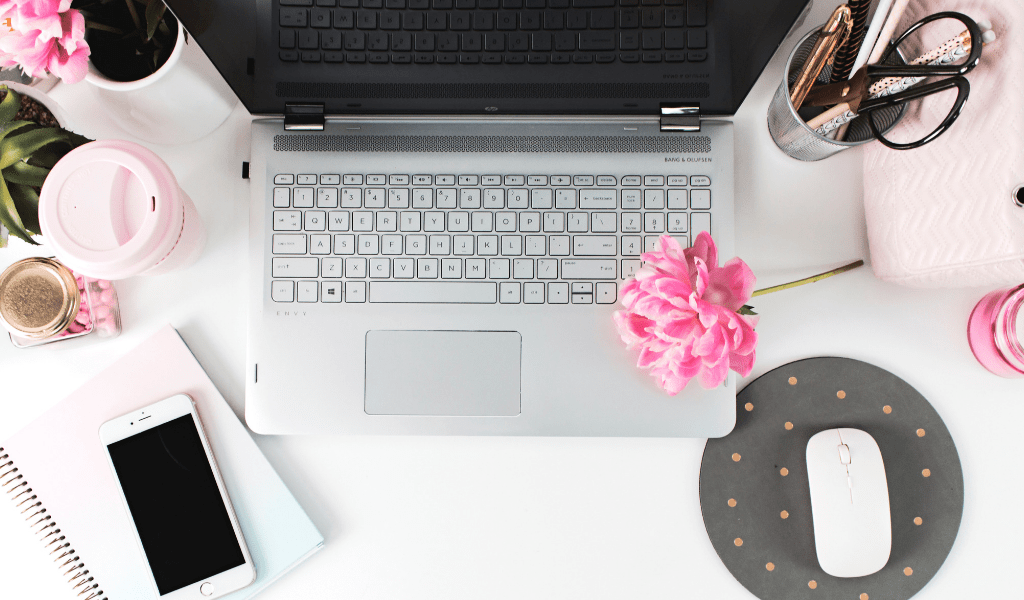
column 27, row 153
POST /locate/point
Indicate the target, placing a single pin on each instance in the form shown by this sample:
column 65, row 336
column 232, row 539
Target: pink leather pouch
column 944, row 215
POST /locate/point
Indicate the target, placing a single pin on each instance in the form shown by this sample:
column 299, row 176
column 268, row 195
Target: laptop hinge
column 304, row 117
column 680, row 117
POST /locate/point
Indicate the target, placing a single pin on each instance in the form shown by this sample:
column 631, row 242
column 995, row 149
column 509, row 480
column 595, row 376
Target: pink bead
column 103, row 283
column 107, row 297
column 83, row 317
column 76, row 327
column 102, row 311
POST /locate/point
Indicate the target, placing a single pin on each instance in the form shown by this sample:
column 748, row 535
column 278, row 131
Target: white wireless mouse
column 849, row 502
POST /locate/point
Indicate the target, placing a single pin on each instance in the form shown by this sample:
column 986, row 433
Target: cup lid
column 111, row 209
column 38, row 298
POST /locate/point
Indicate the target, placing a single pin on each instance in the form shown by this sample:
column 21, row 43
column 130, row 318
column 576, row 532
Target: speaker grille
column 307, row 90
column 491, row 143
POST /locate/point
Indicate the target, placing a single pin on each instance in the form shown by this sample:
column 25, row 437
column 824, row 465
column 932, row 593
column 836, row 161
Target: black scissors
column 855, row 92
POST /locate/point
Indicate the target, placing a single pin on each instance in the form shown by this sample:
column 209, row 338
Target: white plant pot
column 182, row 101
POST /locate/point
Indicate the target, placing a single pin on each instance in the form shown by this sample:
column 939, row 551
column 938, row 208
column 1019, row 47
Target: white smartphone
column 177, row 501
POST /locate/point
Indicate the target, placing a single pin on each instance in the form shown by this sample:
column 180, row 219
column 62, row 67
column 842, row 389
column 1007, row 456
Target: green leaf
column 25, row 174
column 9, row 215
column 10, row 105
column 20, row 147
column 27, row 202
column 154, row 14
column 12, row 127
column 746, row 309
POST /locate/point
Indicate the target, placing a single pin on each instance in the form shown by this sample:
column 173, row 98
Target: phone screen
column 177, row 508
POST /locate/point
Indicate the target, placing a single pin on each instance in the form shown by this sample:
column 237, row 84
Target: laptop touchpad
column 443, row 373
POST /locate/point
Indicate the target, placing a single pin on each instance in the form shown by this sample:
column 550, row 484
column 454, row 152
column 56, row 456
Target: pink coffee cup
column 112, row 209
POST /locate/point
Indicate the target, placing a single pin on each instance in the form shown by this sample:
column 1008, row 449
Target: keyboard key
column 293, row 17
column 631, row 180
column 579, row 222
column 458, row 221
column 330, row 291
column 558, row 245
column 415, row 244
column 287, row 39
column 476, row 268
column 498, row 268
column 606, row 292
column 494, row 198
column 593, row 245
column 404, row 268
column 697, row 39
column 351, row 197
column 439, row 292
column 696, row 13
column 362, row 221
column 582, row 287
column 344, row 244
column 700, row 199
column 629, row 267
column 302, row 198
column 391, row 244
column 654, row 180
column 533, row 293
column 606, row 180
column 511, row 245
column 427, row 268
column 451, row 268
column 535, row 245
column 332, row 267
column 368, row 244
column 654, row 222
column 387, row 221
column 529, row 222
column 554, row 222
column 654, row 199
column 593, row 3
column 327, row 197
column 582, row 298
column 700, row 222
column 398, row 198
column 423, row 198
column 374, row 198
column 631, row 199
column 597, row 40
column 700, row 181
column 295, row 267
column 631, row 222
column 677, row 222
column 603, row 223
column 558, row 292
column 355, row 291
column 487, row 245
column 469, row 197
column 440, row 245
column 284, row 179
column 287, row 220
column 505, row 221
column 537, row 180
column 583, row 180
column 677, row 180
column 598, row 199
column 482, row 221
column 306, row 179
column 380, row 268
column 433, row 221
column 337, row 220
column 462, row 245
column 289, row 243
column 677, row 199
column 509, row 292
column 565, row 199
column 540, row 198
column 320, row 243
column 632, row 245
column 282, row 291
column 522, row 268
column 308, row 291
column 547, row 268
column 352, row 180
column 330, row 179
column 447, row 198
column 282, row 197
column 518, row 198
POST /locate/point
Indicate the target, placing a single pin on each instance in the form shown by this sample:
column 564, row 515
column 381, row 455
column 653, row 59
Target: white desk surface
column 469, row 518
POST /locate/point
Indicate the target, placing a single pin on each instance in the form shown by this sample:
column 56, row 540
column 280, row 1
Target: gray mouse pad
column 753, row 483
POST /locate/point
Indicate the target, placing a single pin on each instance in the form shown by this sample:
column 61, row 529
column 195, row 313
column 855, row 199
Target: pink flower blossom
column 681, row 314
column 46, row 35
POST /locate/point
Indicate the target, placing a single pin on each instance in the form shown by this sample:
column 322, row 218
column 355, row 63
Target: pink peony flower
column 47, row 35
column 681, row 314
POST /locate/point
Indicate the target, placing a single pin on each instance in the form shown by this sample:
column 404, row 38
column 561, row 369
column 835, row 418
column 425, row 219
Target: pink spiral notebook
column 56, row 478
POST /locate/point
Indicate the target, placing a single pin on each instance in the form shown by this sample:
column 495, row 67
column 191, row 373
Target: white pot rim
column 98, row 79
column 43, row 98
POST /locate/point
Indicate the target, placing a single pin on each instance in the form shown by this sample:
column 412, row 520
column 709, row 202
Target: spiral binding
column 42, row 524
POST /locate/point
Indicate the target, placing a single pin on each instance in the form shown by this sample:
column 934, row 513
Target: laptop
column 447, row 196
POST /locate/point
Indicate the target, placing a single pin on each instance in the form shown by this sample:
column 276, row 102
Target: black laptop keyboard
column 493, row 31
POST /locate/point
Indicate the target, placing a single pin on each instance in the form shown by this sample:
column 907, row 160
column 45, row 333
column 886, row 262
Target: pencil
column 826, row 121
column 898, row 8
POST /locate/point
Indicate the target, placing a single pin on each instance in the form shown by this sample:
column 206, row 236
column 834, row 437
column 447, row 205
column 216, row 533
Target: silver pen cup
column 792, row 134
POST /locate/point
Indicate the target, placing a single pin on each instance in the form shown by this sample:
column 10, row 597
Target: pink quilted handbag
column 945, row 215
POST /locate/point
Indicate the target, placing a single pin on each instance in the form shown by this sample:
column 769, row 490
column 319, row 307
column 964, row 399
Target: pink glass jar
column 995, row 332
column 43, row 301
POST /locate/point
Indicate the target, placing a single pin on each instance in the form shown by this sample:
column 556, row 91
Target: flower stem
column 819, row 277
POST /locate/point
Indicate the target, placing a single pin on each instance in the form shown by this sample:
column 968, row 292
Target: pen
column 949, row 52
column 835, row 32
column 872, row 35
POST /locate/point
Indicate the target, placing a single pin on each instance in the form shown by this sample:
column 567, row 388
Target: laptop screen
column 556, row 57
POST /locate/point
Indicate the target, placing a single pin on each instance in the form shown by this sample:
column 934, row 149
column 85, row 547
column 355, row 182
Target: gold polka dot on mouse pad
column 757, row 510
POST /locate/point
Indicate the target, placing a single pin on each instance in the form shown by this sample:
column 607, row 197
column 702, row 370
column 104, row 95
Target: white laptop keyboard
column 473, row 239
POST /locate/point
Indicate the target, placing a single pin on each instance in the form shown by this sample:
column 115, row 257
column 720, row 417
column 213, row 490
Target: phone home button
column 206, row 589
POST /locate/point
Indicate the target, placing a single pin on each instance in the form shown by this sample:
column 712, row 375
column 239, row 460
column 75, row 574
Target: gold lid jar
column 43, row 301
column 39, row 298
